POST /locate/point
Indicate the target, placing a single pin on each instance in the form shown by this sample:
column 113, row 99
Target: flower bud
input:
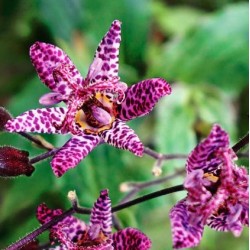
column 126, row 187
column 14, row 162
column 4, row 117
column 73, row 198
column 33, row 245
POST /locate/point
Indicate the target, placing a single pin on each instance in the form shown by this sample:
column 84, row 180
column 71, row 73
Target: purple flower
column 97, row 106
column 217, row 192
column 74, row 234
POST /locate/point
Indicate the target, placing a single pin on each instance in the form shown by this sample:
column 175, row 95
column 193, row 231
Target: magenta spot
column 109, row 41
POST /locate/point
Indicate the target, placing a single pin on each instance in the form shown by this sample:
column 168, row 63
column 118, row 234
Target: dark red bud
column 33, row 245
column 4, row 117
column 14, row 162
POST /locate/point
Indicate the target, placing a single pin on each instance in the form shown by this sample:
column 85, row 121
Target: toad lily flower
column 97, row 106
column 74, row 234
column 217, row 192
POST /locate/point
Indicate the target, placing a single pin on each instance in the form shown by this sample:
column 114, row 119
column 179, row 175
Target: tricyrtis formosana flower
column 74, row 234
column 217, row 192
column 97, row 106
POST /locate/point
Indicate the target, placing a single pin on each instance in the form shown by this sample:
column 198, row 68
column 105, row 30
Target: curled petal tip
column 104, row 192
column 50, row 99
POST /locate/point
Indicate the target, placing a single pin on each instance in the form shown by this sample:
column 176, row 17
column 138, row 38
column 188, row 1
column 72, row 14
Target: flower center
column 93, row 237
column 96, row 114
column 213, row 181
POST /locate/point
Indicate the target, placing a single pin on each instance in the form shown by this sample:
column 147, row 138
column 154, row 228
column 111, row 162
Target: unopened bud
column 125, row 187
column 157, row 171
column 73, row 198
column 14, row 162
column 4, row 117
column 33, row 245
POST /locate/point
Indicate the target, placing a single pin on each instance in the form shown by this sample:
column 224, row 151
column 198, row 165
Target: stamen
column 101, row 115
column 211, row 177
column 94, row 231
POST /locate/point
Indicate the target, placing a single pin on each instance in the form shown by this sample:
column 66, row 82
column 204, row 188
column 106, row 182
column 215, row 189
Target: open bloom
column 217, row 192
column 97, row 106
column 74, row 234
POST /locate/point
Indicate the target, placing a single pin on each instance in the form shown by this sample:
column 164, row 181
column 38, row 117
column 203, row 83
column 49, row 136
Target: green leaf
column 93, row 18
column 175, row 20
column 175, row 119
column 215, row 52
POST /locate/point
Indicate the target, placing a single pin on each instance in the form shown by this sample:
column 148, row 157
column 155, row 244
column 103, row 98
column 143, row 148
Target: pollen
column 211, row 177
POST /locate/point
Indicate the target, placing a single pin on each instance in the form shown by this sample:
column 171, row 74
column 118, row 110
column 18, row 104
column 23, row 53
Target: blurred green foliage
column 201, row 47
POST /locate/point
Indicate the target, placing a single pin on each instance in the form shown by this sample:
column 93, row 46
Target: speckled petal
column 130, row 238
column 46, row 58
column 69, row 245
column 228, row 219
column 121, row 136
column 70, row 226
column 38, row 120
column 106, row 61
column 198, row 197
column 101, row 213
column 73, row 152
column 184, row 233
column 44, row 214
column 203, row 156
column 140, row 98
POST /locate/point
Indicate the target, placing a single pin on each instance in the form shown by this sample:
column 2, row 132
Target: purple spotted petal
column 46, row 58
column 185, row 234
column 200, row 200
column 69, row 245
column 130, row 238
column 233, row 213
column 101, row 213
column 140, row 98
column 73, row 152
column 229, row 219
column 70, row 226
column 51, row 98
column 106, row 61
column 203, row 156
column 38, row 120
column 198, row 196
column 121, row 136
column 44, row 214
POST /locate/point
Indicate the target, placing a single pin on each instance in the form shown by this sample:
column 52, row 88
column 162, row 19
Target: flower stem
column 157, row 156
column 43, row 156
column 148, row 197
column 241, row 143
column 138, row 186
column 35, row 140
column 31, row 236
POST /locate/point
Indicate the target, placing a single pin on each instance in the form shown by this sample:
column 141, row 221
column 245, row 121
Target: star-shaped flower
column 74, row 234
column 97, row 106
column 217, row 192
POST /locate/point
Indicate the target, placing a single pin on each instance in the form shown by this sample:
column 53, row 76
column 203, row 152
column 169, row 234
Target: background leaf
column 208, row 53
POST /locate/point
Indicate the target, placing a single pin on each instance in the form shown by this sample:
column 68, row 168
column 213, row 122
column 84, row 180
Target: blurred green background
column 200, row 47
